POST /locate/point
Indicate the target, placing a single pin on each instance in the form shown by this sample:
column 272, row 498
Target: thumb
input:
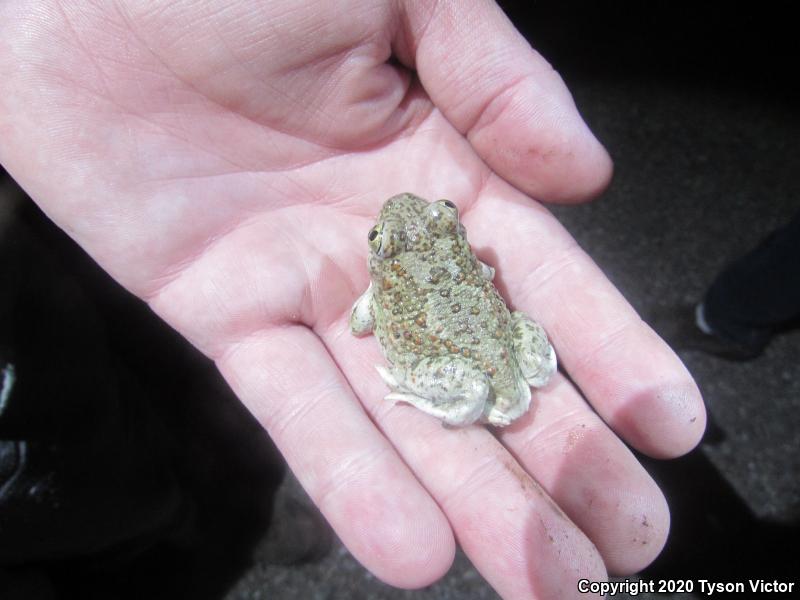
column 504, row 97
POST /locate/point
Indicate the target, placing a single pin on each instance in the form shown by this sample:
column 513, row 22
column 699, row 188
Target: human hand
column 225, row 162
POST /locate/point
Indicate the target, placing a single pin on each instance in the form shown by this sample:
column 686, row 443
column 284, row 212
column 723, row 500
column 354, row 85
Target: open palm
column 225, row 164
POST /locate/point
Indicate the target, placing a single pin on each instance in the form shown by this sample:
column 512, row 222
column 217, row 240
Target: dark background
column 697, row 106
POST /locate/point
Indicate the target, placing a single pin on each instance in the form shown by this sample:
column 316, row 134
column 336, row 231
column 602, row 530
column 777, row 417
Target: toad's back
column 434, row 301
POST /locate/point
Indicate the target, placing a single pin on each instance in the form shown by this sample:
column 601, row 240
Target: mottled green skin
column 442, row 325
column 431, row 300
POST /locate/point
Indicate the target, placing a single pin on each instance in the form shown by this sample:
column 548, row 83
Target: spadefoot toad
column 454, row 349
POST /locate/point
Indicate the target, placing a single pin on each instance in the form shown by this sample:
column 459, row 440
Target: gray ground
column 706, row 148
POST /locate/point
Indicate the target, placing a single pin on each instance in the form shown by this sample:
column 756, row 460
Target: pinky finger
column 380, row 511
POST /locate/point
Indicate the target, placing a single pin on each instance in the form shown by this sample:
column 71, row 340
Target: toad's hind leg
column 533, row 351
column 510, row 406
column 451, row 389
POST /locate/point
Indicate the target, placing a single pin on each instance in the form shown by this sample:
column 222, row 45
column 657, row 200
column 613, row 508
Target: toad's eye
column 378, row 240
column 449, row 204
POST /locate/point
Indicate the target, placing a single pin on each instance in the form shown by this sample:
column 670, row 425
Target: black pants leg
column 758, row 294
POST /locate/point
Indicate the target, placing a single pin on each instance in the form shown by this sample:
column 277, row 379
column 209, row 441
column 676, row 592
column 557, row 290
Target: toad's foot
column 487, row 272
column 510, row 405
column 361, row 316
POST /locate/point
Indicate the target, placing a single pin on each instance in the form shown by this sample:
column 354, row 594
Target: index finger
column 631, row 377
column 504, row 97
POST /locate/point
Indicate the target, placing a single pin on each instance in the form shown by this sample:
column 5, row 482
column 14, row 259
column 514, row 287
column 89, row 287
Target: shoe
column 714, row 342
column 689, row 330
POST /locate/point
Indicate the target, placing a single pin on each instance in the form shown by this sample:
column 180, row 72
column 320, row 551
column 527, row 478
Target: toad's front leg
column 362, row 317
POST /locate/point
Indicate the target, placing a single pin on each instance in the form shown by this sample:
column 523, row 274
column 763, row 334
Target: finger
column 512, row 531
column 629, row 375
column 592, row 475
column 499, row 92
column 374, row 503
